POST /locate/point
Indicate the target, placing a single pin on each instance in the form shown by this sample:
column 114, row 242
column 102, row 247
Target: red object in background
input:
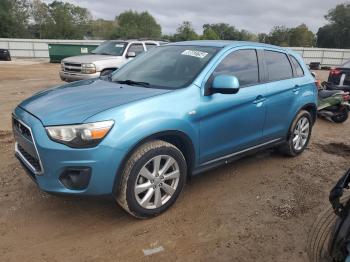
column 335, row 72
column 346, row 97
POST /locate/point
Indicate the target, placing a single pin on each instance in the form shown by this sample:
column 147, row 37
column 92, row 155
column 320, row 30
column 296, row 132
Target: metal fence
column 38, row 48
column 325, row 56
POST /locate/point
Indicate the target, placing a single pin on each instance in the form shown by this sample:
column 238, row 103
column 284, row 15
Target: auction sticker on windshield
column 194, row 53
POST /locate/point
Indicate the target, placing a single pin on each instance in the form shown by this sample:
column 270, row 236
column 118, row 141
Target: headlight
column 88, row 68
column 62, row 65
column 80, row 136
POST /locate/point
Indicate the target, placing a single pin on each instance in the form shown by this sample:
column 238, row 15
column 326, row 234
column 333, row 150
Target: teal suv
column 170, row 113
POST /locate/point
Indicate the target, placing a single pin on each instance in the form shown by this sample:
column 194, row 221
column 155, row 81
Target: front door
column 233, row 122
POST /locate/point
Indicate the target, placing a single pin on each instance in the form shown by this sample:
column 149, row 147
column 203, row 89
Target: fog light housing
column 76, row 178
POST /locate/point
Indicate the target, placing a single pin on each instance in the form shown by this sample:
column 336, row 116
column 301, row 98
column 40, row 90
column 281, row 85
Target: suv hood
column 75, row 102
column 88, row 58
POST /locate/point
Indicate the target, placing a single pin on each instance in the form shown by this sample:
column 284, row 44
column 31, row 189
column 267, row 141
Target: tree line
column 62, row 20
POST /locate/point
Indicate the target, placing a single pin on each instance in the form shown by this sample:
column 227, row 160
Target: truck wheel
column 341, row 117
column 106, row 72
column 299, row 134
column 152, row 179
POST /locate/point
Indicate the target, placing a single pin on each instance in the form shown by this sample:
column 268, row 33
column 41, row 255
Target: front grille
column 71, row 67
column 35, row 163
column 22, row 129
column 25, row 146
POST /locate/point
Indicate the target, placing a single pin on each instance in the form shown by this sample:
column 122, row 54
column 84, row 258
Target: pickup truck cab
column 173, row 112
column 106, row 58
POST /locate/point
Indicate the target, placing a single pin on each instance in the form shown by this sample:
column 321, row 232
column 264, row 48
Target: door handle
column 259, row 99
column 296, row 89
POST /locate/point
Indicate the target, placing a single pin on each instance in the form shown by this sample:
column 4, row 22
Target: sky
column 253, row 15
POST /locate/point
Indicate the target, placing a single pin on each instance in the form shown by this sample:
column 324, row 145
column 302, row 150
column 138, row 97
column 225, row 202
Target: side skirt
column 236, row 155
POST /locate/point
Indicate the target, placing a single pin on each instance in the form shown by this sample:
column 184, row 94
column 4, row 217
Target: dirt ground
column 259, row 208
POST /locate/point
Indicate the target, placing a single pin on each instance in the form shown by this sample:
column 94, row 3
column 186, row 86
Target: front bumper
column 55, row 159
column 71, row 76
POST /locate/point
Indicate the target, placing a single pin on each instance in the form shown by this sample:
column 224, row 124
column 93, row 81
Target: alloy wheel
column 301, row 133
column 157, row 181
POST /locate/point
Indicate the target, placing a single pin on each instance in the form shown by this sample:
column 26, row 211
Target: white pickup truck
column 107, row 57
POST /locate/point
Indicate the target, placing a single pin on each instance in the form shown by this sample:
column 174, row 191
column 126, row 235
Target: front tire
column 299, row 134
column 152, row 179
column 106, row 72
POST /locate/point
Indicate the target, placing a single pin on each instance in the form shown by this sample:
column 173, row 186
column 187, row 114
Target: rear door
column 281, row 91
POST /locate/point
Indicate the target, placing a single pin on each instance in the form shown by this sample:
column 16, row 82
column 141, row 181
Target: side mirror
column 225, row 84
column 130, row 55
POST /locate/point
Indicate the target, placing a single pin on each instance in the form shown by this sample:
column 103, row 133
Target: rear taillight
column 334, row 72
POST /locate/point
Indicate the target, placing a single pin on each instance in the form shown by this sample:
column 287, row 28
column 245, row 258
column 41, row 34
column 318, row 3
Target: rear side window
column 278, row 66
column 242, row 64
column 298, row 70
column 137, row 48
column 150, row 46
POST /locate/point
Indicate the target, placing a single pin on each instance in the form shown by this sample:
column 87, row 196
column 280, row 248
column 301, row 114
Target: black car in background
column 5, row 55
column 339, row 77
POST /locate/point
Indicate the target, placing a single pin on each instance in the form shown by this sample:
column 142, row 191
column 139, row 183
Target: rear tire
column 341, row 117
column 152, row 179
column 299, row 134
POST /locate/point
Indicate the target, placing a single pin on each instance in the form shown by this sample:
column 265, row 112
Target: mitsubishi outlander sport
column 173, row 112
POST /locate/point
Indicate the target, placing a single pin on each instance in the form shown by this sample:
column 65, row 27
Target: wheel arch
column 109, row 68
column 312, row 109
column 177, row 138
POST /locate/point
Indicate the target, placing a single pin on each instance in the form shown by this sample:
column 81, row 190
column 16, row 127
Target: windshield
column 168, row 67
column 110, row 48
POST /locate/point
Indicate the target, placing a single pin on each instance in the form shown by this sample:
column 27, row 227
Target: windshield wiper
column 132, row 83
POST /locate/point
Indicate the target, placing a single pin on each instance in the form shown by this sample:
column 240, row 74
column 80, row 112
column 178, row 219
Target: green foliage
column 336, row 33
column 283, row 36
column 60, row 20
column 209, row 34
column 185, row 32
column 263, row 38
column 223, row 31
column 102, row 29
column 245, row 35
column 14, row 16
column 279, row 35
column 301, row 36
column 226, row 32
column 136, row 25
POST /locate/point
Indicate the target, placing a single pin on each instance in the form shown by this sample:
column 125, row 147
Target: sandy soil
column 259, row 208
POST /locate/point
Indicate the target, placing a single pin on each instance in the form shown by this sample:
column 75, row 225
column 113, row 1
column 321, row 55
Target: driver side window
column 242, row 64
column 137, row 48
